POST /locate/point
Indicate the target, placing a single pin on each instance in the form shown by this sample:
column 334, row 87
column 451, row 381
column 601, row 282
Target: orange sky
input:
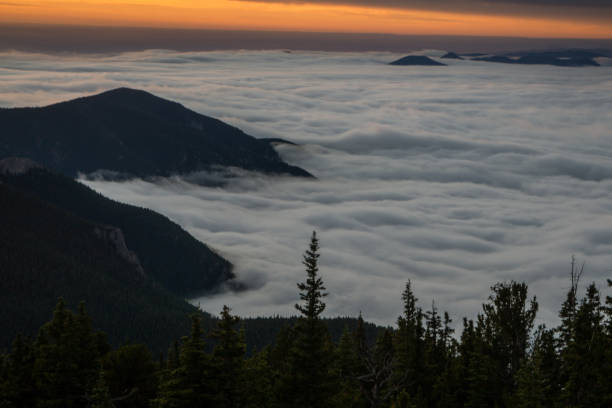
column 230, row 14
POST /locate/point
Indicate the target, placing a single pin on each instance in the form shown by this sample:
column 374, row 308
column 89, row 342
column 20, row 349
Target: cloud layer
column 455, row 177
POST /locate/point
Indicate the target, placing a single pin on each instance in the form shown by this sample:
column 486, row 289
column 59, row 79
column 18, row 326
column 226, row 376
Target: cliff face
column 113, row 236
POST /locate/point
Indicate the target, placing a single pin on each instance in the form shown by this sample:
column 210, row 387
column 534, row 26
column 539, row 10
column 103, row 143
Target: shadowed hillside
column 132, row 133
column 168, row 254
column 46, row 253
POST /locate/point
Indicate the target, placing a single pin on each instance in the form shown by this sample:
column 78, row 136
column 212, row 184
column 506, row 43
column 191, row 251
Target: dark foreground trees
column 307, row 380
column 498, row 360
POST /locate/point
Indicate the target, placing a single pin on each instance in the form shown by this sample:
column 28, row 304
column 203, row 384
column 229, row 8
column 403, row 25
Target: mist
column 454, row 177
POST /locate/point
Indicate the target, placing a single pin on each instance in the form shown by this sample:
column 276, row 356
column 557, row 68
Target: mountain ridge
column 132, row 133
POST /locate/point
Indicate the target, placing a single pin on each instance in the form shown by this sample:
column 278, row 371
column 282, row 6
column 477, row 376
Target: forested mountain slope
column 133, row 133
column 46, row 253
column 168, row 254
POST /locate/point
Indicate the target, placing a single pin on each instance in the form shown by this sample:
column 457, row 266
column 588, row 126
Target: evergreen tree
column 191, row 384
column 312, row 291
column 538, row 378
column 228, row 356
column 507, row 323
column 481, row 385
column 570, row 305
column 409, row 363
column 16, row 383
column 347, row 369
column 68, row 353
column 606, row 373
column 257, row 390
column 308, row 382
column 444, row 372
column 584, row 363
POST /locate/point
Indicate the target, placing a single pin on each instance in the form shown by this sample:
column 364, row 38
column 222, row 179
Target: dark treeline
column 499, row 360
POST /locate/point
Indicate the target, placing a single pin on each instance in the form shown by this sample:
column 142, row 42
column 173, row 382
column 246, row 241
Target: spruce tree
column 309, row 381
column 191, row 384
column 312, row 291
column 584, row 363
column 258, row 382
column 409, row 362
column 228, row 358
column 607, row 370
column 507, row 324
column 348, row 368
column 16, row 383
column 68, row 353
column 538, row 379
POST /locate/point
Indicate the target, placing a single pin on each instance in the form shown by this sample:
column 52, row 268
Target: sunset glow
column 231, row 14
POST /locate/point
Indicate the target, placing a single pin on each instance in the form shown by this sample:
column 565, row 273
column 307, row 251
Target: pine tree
column 16, row 383
column 606, row 373
column 347, row 368
column 308, row 382
column 482, row 386
column 68, row 353
column 508, row 322
column 538, row 379
column 312, row 291
column 409, row 364
column 445, row 375
column 584, row 356
column 191, row 384
column 257, row 388
column 228, row 356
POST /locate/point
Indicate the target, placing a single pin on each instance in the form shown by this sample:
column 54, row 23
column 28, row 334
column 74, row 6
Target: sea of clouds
column 454, row 177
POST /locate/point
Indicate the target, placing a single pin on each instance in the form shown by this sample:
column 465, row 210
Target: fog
column 454, row 177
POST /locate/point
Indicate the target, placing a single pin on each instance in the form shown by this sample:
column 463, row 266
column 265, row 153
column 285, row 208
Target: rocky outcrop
column 114, row 237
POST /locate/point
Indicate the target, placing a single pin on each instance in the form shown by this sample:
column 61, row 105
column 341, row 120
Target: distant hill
column 451, row 55
column 47, row 252
column 168, row 254
column 132, row 133
column 546, row 58
column 416, row 60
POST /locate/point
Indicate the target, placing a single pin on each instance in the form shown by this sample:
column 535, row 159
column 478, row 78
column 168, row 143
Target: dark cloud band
column 595, row 10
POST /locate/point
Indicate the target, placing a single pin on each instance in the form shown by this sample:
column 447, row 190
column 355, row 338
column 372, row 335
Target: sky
column 517, row 18
column 455, row 177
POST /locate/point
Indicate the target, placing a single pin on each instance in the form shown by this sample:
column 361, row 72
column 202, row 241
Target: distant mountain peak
column 451, row 55
column 125, row 92
column 417, row 60
column 133, row 133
